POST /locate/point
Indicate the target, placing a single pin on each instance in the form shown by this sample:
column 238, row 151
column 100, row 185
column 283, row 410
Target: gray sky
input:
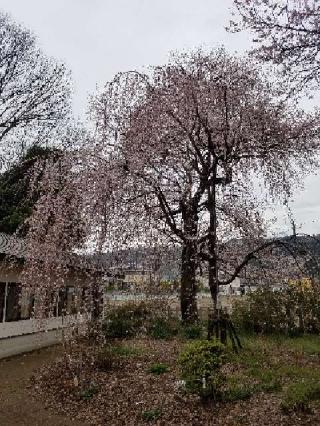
column 98, row 38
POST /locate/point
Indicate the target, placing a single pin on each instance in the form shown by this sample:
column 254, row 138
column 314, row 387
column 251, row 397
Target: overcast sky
column 98, row 38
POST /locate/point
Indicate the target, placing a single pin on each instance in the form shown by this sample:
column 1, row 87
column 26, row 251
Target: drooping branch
column 252, row 255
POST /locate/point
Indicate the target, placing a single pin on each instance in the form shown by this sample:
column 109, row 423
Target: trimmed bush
column 200, row 363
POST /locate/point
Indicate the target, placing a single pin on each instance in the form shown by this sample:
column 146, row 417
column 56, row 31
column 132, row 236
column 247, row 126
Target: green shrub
column 200, row 363
column 163, row 328
column 291, row 311
column 151, row 415
column 125, row 320
column 158, row 369
column 192, row 331
column 299, row 395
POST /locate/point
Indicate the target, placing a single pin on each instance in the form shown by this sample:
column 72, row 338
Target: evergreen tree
column 16, row 202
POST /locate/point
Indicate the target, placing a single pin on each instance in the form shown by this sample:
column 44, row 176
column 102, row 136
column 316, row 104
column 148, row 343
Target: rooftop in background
column 13, row 246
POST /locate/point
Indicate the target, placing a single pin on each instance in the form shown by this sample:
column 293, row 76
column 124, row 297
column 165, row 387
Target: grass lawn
column 272, row 381
column 287, row 366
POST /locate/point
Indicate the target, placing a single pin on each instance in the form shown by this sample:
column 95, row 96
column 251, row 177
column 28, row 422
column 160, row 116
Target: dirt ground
column 17, row 408
column 128, row 391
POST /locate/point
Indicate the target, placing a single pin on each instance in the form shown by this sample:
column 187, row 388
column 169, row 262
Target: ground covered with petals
column 264, row 386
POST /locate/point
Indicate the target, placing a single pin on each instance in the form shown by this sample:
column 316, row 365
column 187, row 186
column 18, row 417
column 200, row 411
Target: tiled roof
column 12, row 246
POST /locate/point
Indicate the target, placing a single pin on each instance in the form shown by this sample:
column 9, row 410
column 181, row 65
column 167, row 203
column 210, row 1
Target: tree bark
column 213, row 278
column 213, row 282
column 96, row 298
column 188, row 291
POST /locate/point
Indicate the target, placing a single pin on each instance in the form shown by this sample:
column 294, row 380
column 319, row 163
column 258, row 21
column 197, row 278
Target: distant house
column 235, row 288
column 130, row 278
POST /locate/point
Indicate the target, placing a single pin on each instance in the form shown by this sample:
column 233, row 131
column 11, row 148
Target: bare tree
column 34, row 89
column 287, row 33
column 189, row 139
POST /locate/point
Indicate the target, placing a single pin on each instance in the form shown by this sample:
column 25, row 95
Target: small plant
column 192, row 331
column 238, row 392
column 158, row 369
column 200, row 364
column 126, row 351
column 272, row 386
column 299, row 395
column 163, row 328
column 268, row 380
column 151, row 415
column 88, row 391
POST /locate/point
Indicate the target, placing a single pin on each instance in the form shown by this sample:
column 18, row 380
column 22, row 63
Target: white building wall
column 9, row 329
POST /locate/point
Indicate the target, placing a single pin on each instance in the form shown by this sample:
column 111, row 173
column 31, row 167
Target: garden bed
column 271, row 382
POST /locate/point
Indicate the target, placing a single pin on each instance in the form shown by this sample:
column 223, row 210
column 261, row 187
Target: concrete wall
column 19, row 328
column 16, row 338
column 30, row 342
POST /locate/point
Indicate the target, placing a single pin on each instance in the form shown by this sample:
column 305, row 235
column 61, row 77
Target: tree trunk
column 96, row 309
column 188, row 292
column 213, row 282
column 213, row 277
column 97, row 299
